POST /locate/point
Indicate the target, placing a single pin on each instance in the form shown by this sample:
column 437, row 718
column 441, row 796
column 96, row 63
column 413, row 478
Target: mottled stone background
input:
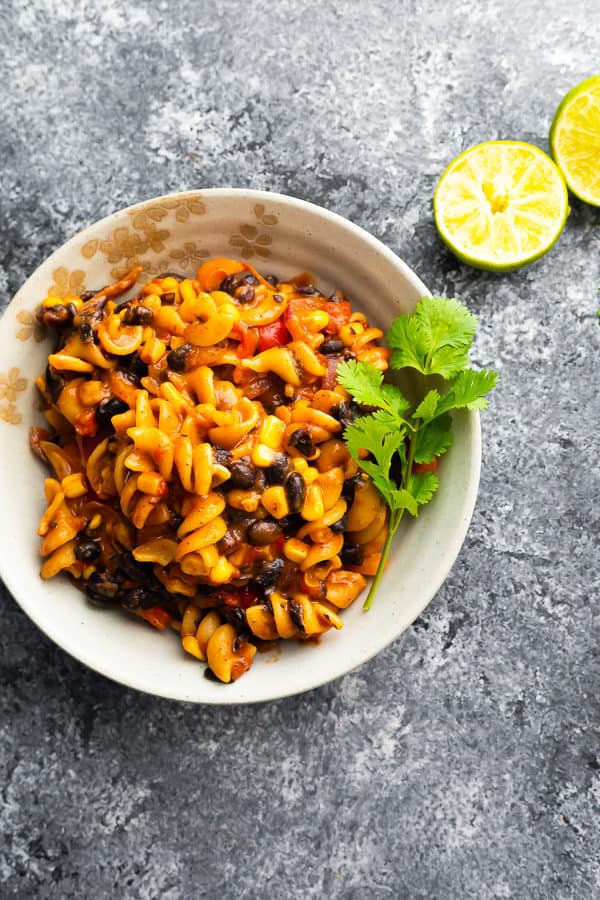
column 464, row 761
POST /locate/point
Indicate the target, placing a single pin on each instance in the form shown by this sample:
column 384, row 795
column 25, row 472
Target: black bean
column 272, row 279
column 291, row 524
column 87, row 295
column 345, row 412
column 109, row 408
column 307, row 290
column 276, row 472
column 135, row 367
column 133, row 570
column 58, row 317
column 349, row 488
column 86, row 551
column 302, row 441
column 340, row 526
column 138, row 598
column 235, row 615
column 278, row 298
column 352, row 555
column 295, row 491
column 264, row 532
column 54, row 382
column 177, row 359
column 102, row 589
column 243, row 475
column 245, row 294
column 138, row 315
column 210, row 676
column 86, row 332
column 296, row 613
column 230, row 541
column 332, row 345
column 238, row 279
column 267, row 573
column 222, row 457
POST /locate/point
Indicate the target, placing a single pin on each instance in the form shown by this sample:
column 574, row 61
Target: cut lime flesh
column 575, row 139
column 501, row 205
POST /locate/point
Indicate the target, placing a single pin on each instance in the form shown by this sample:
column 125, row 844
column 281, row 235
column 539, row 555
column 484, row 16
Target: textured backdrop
column 464, row 761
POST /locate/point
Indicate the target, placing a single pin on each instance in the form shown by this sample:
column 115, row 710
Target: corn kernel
column 96, row 522
column 262, row 455
column 272, row 431
column 222, row 572
column 310, row 474
column 275, row 502
column 295, row 550
column 241, row 499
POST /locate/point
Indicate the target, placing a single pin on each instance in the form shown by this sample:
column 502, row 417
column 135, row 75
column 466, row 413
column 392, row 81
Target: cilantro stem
column 395, row 519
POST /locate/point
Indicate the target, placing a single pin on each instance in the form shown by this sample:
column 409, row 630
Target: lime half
column 575, row 140
column 500, row 205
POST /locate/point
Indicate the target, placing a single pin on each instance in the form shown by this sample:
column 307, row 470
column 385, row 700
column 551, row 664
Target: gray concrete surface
column 464, row 761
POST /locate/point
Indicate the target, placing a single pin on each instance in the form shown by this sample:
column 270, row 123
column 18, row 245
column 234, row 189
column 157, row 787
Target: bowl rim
column 471, row 420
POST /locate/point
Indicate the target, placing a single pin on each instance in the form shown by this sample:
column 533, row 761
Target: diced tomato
column 339, row 314
column 157, row 616
column 273, row 335
column 420, row 468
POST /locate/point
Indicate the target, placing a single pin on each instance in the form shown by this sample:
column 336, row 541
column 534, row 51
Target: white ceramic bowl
column 175, row 233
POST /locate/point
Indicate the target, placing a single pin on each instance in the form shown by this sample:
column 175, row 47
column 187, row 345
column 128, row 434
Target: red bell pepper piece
column 339, row 314
column 273, row 335
column 157, row 616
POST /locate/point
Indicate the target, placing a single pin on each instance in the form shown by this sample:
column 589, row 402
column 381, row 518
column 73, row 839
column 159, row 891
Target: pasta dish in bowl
column 198, row 478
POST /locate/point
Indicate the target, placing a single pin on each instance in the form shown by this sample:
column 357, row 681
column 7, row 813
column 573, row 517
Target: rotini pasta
column 200, row 480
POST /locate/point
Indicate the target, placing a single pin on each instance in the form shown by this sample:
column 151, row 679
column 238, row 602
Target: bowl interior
column 277, row 234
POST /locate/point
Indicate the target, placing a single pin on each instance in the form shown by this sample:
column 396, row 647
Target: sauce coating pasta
column 200, row 480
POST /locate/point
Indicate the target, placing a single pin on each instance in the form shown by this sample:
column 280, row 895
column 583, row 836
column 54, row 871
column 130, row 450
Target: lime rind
column 557, row 132
column 501, row 176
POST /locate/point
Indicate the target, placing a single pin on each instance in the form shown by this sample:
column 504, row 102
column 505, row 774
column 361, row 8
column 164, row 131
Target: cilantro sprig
column 400, row 435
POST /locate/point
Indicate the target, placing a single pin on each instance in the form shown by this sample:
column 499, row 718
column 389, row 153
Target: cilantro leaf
column 468, row 390
column 427, row 407
column 365, row 383
column 403, row 499
column 433, row 439
column 434, row 339
column 362, row 380
column 423, row 487
column 369, row 433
